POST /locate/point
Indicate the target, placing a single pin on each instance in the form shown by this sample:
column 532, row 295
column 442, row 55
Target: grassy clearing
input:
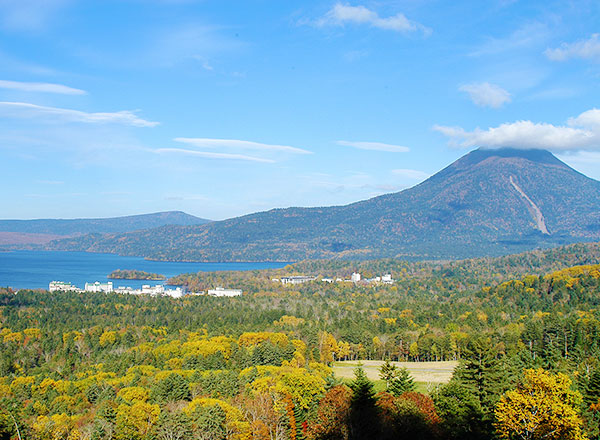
column 420, row 387
column 427, row 375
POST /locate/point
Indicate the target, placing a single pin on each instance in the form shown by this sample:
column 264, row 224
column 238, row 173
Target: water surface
column 35, row 269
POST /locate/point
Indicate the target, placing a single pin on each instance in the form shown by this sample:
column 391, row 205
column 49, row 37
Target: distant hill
column 43, row 230
column 489, row 202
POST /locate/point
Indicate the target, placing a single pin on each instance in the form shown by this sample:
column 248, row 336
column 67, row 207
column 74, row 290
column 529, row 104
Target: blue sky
column 222, row 108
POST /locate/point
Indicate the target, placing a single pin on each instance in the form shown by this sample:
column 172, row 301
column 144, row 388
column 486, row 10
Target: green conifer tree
column 592, row 390
column 388, row 372
column 401, row 383
column 363, row 410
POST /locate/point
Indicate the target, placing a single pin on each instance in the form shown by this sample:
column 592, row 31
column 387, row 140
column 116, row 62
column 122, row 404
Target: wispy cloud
column 376, row 146
column 186, row 197
column 342, row 14
column 197, row 43
column 211, row 155
column 50, row 182
column 40, row 87
column 486, row 95
column 411, row 174
column 239, row 144
column 32, row 111
column 28, row 15
column 579, row 133
column 355, row 55
column 55, row 195
column 585, row 49
column 527, row 36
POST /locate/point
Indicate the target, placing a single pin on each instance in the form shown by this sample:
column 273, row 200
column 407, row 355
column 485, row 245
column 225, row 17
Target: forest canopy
column 260, row 366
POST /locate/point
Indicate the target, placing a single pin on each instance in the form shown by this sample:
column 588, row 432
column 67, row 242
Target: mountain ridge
column 40, row 231
column 470, row 208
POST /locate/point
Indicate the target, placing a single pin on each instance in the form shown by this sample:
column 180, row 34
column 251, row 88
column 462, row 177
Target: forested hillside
column 106, row 366
column 19, row 234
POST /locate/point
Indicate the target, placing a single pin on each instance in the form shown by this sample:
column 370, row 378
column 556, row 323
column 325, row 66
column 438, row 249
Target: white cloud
column 342, row 14
column 27, row 110
column 377, row 146
column 40, row 87
column 410, row 174
column 486, row 95
column 239, row 144
column 585, row 49
column 211, row 155
column 590, row 118
column 579, row 133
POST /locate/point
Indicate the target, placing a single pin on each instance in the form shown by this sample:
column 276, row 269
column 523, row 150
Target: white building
column 355, row 278
column 99, row 287
column 298, row 279
column 219, row 291
column 154, row 291
column 61, row 286
column 174, row 293
column 158, row 290
column 387, row 278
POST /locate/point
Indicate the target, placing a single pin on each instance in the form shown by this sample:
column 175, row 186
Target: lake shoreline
column 35, row 269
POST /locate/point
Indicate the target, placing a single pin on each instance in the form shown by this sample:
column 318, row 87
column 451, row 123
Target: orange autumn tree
column 332, row 415
column 542, row 407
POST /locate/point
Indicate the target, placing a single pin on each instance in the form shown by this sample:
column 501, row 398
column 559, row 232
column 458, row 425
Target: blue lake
column 35, row 269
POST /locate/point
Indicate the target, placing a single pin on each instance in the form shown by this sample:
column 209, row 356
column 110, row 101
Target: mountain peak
column 476, row 157
column 533, row 155
column 489, row 202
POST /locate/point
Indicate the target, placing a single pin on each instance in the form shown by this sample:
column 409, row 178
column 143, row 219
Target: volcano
column 489, row 202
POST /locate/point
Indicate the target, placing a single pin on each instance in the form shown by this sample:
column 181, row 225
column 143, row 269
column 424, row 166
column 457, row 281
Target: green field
column 427, row 375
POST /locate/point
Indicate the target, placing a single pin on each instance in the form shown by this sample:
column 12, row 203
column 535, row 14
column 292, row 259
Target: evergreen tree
column 483, row 373
column 388, row 372
column 209, row 422
column 363, row 410
column 171, row 389
column 401, row 383
column 591, row 393
column 300, row 418
column 397, row 380
column 460, row 412
column 173, row 426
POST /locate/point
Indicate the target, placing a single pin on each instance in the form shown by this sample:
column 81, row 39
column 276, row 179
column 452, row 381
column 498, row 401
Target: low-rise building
column 99, row 287
column 158, row 290
column 355, row 278
column 297, row 279
column 220, row 291
column 61, row 286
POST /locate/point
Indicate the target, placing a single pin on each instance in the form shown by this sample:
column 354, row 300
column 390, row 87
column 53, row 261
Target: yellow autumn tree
column 136, row 421
column 327, row 347
column 542, row 407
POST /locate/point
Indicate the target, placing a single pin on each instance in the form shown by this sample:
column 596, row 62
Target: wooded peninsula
column 135, row 275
